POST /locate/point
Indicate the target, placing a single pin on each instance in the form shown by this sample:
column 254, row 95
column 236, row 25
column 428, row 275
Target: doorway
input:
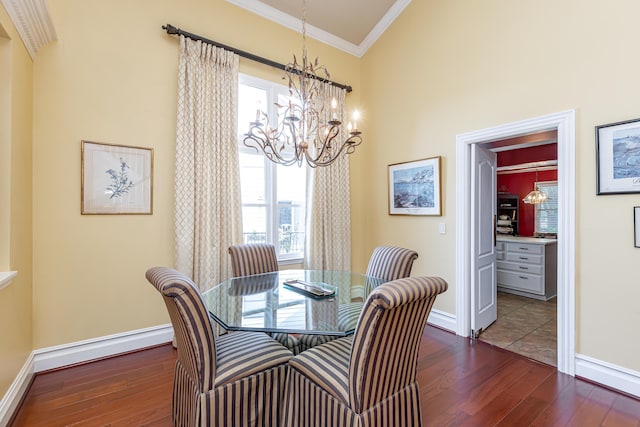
column 564, row 123
column 525, row 321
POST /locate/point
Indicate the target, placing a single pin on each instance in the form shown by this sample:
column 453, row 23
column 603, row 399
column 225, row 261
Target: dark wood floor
column 462, row 383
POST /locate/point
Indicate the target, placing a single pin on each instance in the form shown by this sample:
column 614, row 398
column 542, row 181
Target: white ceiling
column 349, row 25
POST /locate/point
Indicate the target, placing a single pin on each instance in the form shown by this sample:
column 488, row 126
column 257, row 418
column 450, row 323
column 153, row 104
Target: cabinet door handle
column 524, row 268
column 524, row 249
column 523, row 277
column 523, row 258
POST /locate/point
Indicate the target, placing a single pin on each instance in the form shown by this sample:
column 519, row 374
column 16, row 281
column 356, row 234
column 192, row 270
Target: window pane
column 291, row 213
column 254, row 224
column 291, row 229
column 546, row 213
column 252, row 178
column 250, row 99
column 292, row 182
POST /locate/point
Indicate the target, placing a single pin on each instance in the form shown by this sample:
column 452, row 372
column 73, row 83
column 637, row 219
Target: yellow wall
column 449, row 67
column 443, row 68
column 15, row 300
column 111, row 78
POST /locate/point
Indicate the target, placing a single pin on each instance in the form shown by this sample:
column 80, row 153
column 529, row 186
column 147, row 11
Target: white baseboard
column 608, row 374
column 78, row 352
column 443, row 320
column 96, row 348
column 18, row 388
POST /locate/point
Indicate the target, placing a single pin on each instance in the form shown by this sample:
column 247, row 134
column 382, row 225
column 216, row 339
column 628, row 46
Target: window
column 273, row 196
column 546, row 213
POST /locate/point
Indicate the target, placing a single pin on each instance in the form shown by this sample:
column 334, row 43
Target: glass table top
column 264, row 302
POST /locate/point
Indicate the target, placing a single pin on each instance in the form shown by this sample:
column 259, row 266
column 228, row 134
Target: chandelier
column 305, row 132
column 535, row 197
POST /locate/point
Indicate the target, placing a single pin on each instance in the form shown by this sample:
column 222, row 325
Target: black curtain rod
column 170, row 29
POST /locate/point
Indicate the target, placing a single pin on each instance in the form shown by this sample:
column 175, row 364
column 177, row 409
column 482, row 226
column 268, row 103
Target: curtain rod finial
column 170, row 29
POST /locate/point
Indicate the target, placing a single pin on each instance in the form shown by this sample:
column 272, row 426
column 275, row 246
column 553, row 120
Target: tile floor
column 525, row 326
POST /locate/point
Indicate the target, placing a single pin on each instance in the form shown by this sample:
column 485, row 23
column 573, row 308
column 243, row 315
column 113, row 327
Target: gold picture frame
column 116, row 179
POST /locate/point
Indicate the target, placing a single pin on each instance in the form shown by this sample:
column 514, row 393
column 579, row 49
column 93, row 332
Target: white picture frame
column 618, row 158
column 415, row 187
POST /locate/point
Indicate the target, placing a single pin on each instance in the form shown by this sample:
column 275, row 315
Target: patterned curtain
column 328, row 237
column 208, row 210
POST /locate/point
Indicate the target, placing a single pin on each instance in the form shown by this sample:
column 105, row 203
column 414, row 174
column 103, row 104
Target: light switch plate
column 442, row 228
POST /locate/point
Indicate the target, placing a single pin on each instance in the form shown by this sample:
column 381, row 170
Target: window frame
column 271, row 204
column 541, row 185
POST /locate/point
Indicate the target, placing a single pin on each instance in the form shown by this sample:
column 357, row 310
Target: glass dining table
column 293, row 301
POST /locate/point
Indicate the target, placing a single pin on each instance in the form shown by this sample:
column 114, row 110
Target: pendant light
column 536, row 196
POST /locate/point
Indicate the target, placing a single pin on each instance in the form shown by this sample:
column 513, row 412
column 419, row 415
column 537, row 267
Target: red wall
column 522, row 183
column 528, row 155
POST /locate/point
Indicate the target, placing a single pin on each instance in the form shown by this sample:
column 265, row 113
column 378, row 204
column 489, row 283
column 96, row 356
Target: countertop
column 535, row 240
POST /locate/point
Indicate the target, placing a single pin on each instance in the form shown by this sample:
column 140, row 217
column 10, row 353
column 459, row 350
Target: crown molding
column 316, row 33
column 32, row 21
column 382, row 26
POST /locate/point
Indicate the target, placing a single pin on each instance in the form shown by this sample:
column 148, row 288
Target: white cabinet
column 527, row 266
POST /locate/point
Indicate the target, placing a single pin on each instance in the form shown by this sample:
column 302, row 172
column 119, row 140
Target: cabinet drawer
column 527, row 248
column 500, row 255
column 521, row 267
column 521, row 281
column 500, row 246
column 523, row 258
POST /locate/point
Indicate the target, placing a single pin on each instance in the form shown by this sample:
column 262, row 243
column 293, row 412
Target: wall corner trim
column 608, row 374
column 13, row 396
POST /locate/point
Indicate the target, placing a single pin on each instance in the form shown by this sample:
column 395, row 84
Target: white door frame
column 564, row 122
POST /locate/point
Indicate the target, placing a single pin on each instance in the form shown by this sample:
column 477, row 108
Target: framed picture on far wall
column 415, row 187
column 116, row 179
column 636, row 226
column 618, row 157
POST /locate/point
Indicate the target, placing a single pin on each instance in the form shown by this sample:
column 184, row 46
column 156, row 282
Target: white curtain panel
column 328, row 237
column 208, row 210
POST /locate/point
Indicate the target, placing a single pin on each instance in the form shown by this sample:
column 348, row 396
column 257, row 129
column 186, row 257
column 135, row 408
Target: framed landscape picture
column 415, row 187
column 636, row 226
column 618, row 157
column 116, row 179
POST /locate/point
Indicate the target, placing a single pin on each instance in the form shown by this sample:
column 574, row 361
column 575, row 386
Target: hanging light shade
column 536, row 196
column 303, row 133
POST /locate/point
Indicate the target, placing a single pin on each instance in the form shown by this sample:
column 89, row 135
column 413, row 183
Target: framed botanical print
column 116, row 179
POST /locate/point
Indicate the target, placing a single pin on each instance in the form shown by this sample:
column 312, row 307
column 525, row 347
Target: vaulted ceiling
column 349, row 25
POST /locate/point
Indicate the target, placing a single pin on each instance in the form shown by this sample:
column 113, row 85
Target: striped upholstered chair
column 368, row 379
column 391, row 263
column 259, row 258
column 387, row 263
column 236, row 379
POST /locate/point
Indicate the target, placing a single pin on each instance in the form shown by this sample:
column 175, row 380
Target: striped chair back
column 391, row 263
column 253, row 258
column 191, row 325
column 385, row 346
